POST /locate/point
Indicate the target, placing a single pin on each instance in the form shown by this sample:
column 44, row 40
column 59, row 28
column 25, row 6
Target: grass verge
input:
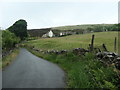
column 8, row 59
column 85, row 71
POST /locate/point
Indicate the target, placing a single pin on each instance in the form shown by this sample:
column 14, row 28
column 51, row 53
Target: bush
column 9, row 39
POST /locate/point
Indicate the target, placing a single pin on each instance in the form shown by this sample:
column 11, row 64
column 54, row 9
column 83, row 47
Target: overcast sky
column 52, row 14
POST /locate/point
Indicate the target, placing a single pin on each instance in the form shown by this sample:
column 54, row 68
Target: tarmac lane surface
column 30, row 71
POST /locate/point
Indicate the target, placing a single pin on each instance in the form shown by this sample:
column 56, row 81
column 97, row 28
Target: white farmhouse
column 49, row 34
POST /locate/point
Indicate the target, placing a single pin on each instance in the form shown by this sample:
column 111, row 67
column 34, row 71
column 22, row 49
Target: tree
column 19, row 28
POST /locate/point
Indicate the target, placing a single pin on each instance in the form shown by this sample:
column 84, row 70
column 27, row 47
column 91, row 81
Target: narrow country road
column 29, row 71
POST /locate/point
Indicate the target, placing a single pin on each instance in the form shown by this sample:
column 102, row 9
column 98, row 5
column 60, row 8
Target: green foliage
column 9, row 39
column 19, row 28
column 108, row 85
column 90, row 73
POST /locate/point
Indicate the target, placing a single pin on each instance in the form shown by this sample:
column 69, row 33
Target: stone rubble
column 106, row 57
column 109, row 58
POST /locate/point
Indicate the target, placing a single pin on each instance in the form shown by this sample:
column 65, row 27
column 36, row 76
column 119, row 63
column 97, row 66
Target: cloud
column 40, row 15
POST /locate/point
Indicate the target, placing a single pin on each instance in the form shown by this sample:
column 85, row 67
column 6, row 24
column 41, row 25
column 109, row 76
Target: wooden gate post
column 92, row 43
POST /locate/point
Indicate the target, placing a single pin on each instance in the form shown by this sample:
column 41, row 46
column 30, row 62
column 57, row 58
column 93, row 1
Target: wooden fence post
column 115, row 45
column 92, row 43
column 104, row 47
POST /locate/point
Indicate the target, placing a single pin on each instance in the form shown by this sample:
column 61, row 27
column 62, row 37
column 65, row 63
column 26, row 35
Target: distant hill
column 38, row 32
column 78, row 29
column 85, row 27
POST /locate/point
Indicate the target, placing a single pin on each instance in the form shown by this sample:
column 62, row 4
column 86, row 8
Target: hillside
column 74, row 29
column 84, row 26
column 76, row 41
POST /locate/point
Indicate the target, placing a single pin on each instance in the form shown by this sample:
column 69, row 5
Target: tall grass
column 83, row 72
column 9, row 58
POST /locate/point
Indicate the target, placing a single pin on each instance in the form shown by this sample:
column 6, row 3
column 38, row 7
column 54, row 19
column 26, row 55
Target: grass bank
column 9, row 58
column 84, row 72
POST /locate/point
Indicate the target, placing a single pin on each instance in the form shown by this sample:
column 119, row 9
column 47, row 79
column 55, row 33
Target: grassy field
column 85, row 71
column 76, row 41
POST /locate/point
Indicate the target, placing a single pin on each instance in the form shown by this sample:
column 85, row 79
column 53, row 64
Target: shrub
column 9, row 39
